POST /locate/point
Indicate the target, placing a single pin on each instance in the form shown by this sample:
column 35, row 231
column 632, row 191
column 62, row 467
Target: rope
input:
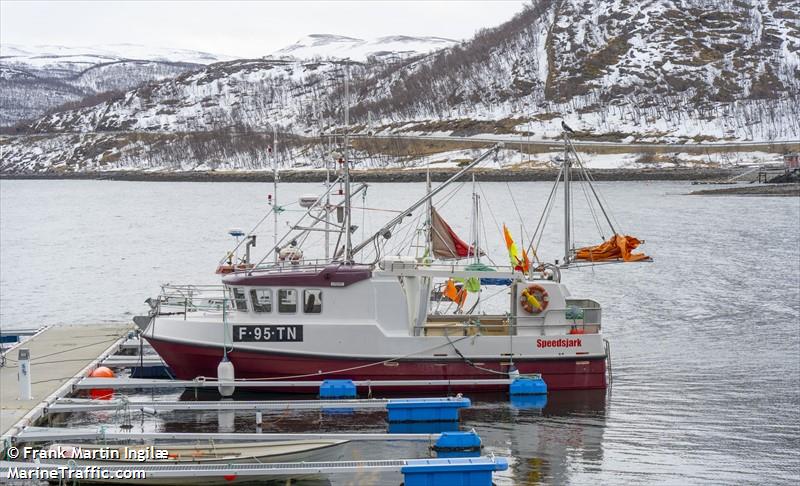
column 343, row 370
column 591, row 206
column 600, row 199
column 544, row 216
column 466, row 360
column 516, row 208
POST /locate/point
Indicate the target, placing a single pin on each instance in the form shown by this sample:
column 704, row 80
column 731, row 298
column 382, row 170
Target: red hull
column 188, row 362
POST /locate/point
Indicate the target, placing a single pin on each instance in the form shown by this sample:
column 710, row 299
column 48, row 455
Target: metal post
column 327, row 204
column 567, row 174
column 275, row 191
column 24, row 374
column 476, row 238
column 348, row 244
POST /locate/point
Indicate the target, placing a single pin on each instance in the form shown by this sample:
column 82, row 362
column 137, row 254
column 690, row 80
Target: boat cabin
column 397, row 296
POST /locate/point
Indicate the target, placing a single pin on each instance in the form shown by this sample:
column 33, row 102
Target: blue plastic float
column 426, row 410
column 452, row 472
column 528, row 386
column 333, row 389
column 458, row 444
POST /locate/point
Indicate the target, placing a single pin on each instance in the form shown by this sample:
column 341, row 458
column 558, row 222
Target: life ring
column 534, row 299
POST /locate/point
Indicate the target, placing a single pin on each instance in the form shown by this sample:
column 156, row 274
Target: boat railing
column 584, row 320
column 192, row 298
column 313, row 265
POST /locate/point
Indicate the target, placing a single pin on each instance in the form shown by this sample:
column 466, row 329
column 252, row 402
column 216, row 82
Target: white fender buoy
column 225, row 373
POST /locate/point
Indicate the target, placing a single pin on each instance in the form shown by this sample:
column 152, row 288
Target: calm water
column 705, row 340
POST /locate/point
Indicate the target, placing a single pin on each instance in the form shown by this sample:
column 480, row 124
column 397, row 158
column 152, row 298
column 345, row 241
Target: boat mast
column 386, row 230
column 476, row 232
column 275, row 190
column 348, row 244
column 428, row 252
column 327, row 202
column 567, row 202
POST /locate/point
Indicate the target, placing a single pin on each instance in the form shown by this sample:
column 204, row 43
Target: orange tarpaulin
column 615, row 248
column 455, row 294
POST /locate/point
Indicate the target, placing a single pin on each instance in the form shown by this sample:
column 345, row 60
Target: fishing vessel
column 393, row 317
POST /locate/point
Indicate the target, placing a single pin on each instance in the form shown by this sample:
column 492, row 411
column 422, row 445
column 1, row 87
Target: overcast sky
column 239, row 28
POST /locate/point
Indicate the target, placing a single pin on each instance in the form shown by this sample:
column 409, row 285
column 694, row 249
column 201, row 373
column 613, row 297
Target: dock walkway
column 58, row 354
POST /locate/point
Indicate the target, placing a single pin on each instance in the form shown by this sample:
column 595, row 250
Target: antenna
column 348, row 244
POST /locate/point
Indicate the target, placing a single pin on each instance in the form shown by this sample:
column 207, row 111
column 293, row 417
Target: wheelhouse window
column 262, row 300
column 287, row 301
column 239, row 299
column 312, row 301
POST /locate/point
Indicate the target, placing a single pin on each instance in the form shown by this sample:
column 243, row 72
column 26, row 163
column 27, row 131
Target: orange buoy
column 102, row 372
column 575, row 330
column 104, row 393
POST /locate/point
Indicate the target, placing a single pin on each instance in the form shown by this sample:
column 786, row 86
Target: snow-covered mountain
column 626, row 70
column 329, row 46
column 77, row 58
column 35, row 79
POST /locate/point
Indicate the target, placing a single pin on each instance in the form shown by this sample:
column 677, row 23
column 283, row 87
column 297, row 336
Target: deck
column 58, row 355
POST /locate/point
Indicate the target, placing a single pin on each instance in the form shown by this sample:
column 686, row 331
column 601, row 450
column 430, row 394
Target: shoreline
column 791, row 189
column 385, row 175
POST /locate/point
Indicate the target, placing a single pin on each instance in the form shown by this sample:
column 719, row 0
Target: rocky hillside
column 616, row 70
column 37, row 79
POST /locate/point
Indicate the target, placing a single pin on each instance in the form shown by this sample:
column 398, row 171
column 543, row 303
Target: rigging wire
column 486, row 236
column 491, row 213
column 590, row 203
column 516, row 208
column 544, row 216
column 600, row 199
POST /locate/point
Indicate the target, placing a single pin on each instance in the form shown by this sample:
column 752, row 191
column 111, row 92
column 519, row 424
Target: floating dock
column 136, row 383
column 60, row 357
column 88, row 405
column 57, row 361
column 427, row 472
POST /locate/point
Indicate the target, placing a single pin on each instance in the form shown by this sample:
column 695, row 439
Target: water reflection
column 705, row 339
column 548, row 442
